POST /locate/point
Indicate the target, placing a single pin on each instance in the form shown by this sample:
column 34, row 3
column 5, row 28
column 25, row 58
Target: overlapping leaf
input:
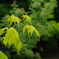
column 30, row 29
column 27, row 18
column 2, row 30
column 12, row 37
column 3, row 56
column 14, row 19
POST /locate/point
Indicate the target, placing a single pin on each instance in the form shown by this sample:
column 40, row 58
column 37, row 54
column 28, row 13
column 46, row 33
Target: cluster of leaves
column 11, row 35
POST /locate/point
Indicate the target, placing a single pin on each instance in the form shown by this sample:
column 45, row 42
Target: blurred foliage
column 41, row 12
column 3, row 10
column 44, row 12
column 17, row 12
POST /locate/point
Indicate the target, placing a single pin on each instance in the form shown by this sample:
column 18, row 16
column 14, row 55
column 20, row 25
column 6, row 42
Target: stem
column 18, row 25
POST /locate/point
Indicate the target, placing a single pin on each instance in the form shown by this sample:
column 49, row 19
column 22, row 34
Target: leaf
column 27, row 18
column 30, row 29
column 11, row 37
column 2, row 30
column 3, row 56
column 14, row 19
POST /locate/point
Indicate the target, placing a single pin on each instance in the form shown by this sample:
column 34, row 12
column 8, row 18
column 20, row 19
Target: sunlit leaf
column 27, row 18
column 2, row 30
column 3, row 56
column 14, row 19
column 12, row 37
column 30, row 30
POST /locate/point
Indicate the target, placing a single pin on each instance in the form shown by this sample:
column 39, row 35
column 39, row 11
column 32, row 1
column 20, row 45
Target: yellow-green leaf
column 12, row 37
column 25, row 27
column 3, row 56
column 14, row 19
column 30, row 29
column 2, row 30
column 27, row 18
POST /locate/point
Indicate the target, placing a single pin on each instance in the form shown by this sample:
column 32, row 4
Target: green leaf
column 3, row 56
column 2, row 30
column 30, row 29
column 14, row 19
column 11, row 37
column 27, row 18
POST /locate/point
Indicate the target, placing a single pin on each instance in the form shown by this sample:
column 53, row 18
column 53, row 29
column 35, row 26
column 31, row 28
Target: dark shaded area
column 52, row 54
column 21, row 3
column 56, row 13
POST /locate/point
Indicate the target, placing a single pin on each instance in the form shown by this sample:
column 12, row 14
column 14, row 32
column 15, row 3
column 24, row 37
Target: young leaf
column 14, row 19
column 3, row 56
column 12, row 37
column 27, row 18
column 30, row 29
column 2, row 30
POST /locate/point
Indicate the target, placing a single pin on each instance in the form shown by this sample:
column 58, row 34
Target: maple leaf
column 14, row 19
column 11, row 37
column 3, row 56
column 30, row 29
